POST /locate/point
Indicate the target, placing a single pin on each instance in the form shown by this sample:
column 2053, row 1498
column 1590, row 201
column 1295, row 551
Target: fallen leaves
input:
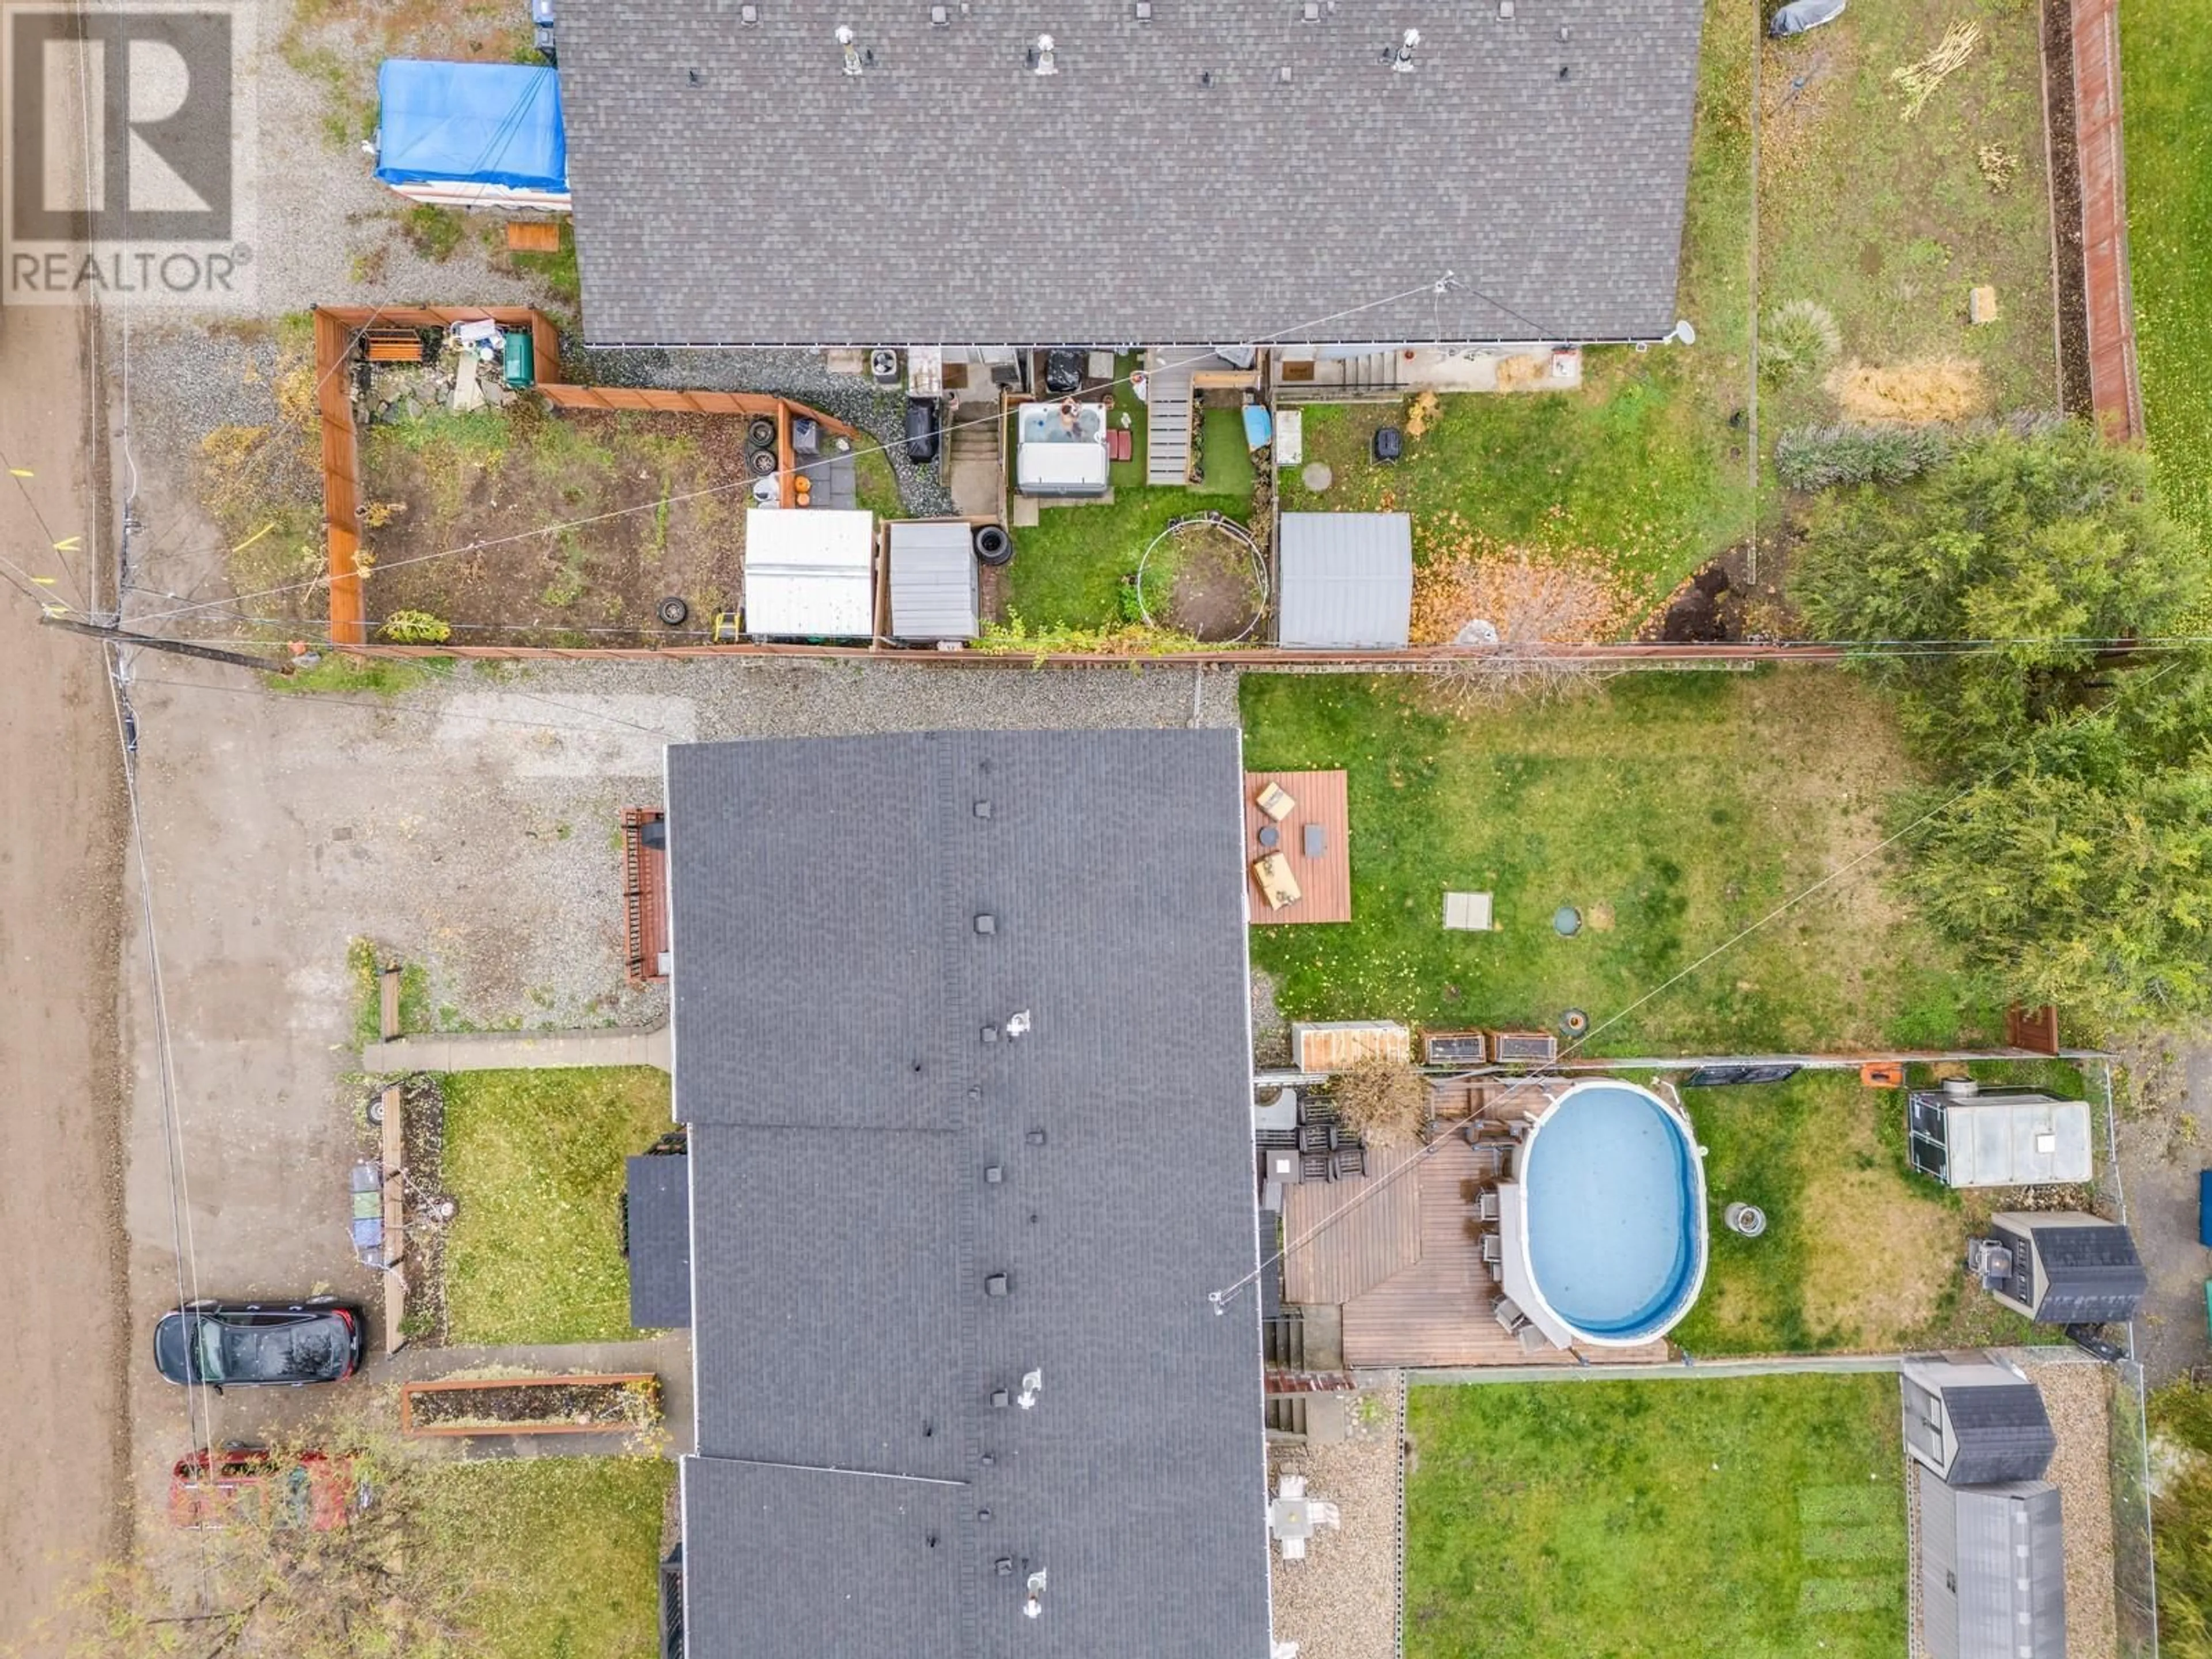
column 1466, row 576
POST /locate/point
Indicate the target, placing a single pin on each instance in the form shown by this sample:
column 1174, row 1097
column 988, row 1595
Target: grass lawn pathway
column 1751, row 1518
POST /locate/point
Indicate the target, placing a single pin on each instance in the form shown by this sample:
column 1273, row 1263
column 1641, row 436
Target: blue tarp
column 485, row 123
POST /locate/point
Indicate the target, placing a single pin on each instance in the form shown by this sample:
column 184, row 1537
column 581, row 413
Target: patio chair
column 1493, row 1252
column 1291, row 1486
column 1324, row 1514
column 1315, row 1137
column 1317, row 1166
column 1486, row 1205
column 1294, row 1549
column 1532, row 1340
column 1507, row 1312
column 1348, row 1161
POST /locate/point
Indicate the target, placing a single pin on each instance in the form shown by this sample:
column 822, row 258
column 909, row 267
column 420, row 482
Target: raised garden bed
column 613, row 1404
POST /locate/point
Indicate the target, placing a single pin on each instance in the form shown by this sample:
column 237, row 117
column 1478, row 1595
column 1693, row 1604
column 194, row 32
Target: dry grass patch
column 1910, row 394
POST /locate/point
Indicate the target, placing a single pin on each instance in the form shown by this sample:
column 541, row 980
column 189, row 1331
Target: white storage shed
column 1347, row 581
column 809, row 574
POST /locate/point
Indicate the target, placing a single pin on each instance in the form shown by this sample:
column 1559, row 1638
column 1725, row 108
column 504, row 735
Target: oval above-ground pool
column 1613, row 1212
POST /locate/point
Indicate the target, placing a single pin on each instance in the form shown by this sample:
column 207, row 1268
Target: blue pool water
column 1614, row 1208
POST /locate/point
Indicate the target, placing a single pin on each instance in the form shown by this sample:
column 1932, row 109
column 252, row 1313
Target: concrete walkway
column 1770, row 1365
column 517, row 1051
column 2057, row 1353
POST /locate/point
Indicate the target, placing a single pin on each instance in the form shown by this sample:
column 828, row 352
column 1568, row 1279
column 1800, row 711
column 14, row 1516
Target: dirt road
column 64, row 1440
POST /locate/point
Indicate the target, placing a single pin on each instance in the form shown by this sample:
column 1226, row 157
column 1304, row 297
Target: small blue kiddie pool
column 1611, row 1217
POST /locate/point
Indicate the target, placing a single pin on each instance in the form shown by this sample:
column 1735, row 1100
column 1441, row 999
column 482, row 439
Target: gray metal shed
column 1347, row 581
column 1992, row 1571
column 2009, row 1139
column 936, row 589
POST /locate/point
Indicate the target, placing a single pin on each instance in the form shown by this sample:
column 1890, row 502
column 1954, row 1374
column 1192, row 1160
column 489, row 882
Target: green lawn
column 1888, row 223
column 1226, row 456
column 1638, row 472
column 1825, row 1157
column 1675, row 811
column 534, row 1162
column 563, row 1553
column 1761, row 1516
column 2166, row 63
column 1068, row 568
column 2180, row 1423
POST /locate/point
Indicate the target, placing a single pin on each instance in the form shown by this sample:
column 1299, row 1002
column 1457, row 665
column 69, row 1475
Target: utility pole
column 118, row 635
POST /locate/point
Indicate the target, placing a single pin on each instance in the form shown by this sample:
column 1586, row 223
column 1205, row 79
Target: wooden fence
column 2115, row 391
column 339, row 331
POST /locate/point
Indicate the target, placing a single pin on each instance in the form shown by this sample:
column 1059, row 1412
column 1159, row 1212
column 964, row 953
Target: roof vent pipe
column 845, row 38
column 1403, row 58
column 1041, row 56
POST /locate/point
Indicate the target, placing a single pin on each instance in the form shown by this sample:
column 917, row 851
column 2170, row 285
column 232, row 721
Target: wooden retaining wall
column 2115, row 391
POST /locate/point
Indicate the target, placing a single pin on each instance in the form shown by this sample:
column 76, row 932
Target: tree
column 2043, row 544
column 2095, row 896
column 263, row 1585
column 1387, row 1101
column 2074, row 866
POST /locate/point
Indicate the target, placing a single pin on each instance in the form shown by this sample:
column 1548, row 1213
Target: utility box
column 2019, row 1138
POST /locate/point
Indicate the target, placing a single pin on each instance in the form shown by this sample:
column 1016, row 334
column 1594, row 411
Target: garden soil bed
column 531, row 1405
column 634, row 508
column 1210, row 593
column 2066, row 207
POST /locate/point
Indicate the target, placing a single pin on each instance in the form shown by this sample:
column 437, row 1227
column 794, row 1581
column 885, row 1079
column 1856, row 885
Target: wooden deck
column 1371, row 1230
column 1435, row 1309
column 1325, row 883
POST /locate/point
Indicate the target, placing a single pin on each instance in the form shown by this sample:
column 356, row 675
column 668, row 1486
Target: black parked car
column 222, row 1344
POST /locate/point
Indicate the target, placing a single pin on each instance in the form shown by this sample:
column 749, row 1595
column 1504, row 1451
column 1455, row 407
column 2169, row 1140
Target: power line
column 1221, row 1297
column 870, row 446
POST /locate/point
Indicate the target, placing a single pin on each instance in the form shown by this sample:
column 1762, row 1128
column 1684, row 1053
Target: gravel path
column 2078, row 1396
column 1341, row 1601
column 802, row 376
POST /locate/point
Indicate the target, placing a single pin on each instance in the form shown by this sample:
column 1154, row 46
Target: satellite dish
column 1682, row 333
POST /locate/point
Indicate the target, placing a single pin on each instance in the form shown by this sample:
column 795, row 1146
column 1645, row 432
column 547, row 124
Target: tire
column 375, row 1109
column 672, row 611
column 993, row 546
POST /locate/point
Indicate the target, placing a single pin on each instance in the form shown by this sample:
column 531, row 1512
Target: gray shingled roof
column 2002, row 1431
column 947, row 193
column 1992, row 1571
column 2091, row 1274
column 658, row 1213
column 831, row 992
column 1347, row 580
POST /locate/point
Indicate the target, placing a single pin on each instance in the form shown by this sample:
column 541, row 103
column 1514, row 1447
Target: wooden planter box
column 615, row 1385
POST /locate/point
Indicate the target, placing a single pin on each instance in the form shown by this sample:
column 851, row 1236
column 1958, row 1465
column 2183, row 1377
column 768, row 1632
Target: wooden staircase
column 974, row 470
column 1372, row 377
column 1168, row 415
